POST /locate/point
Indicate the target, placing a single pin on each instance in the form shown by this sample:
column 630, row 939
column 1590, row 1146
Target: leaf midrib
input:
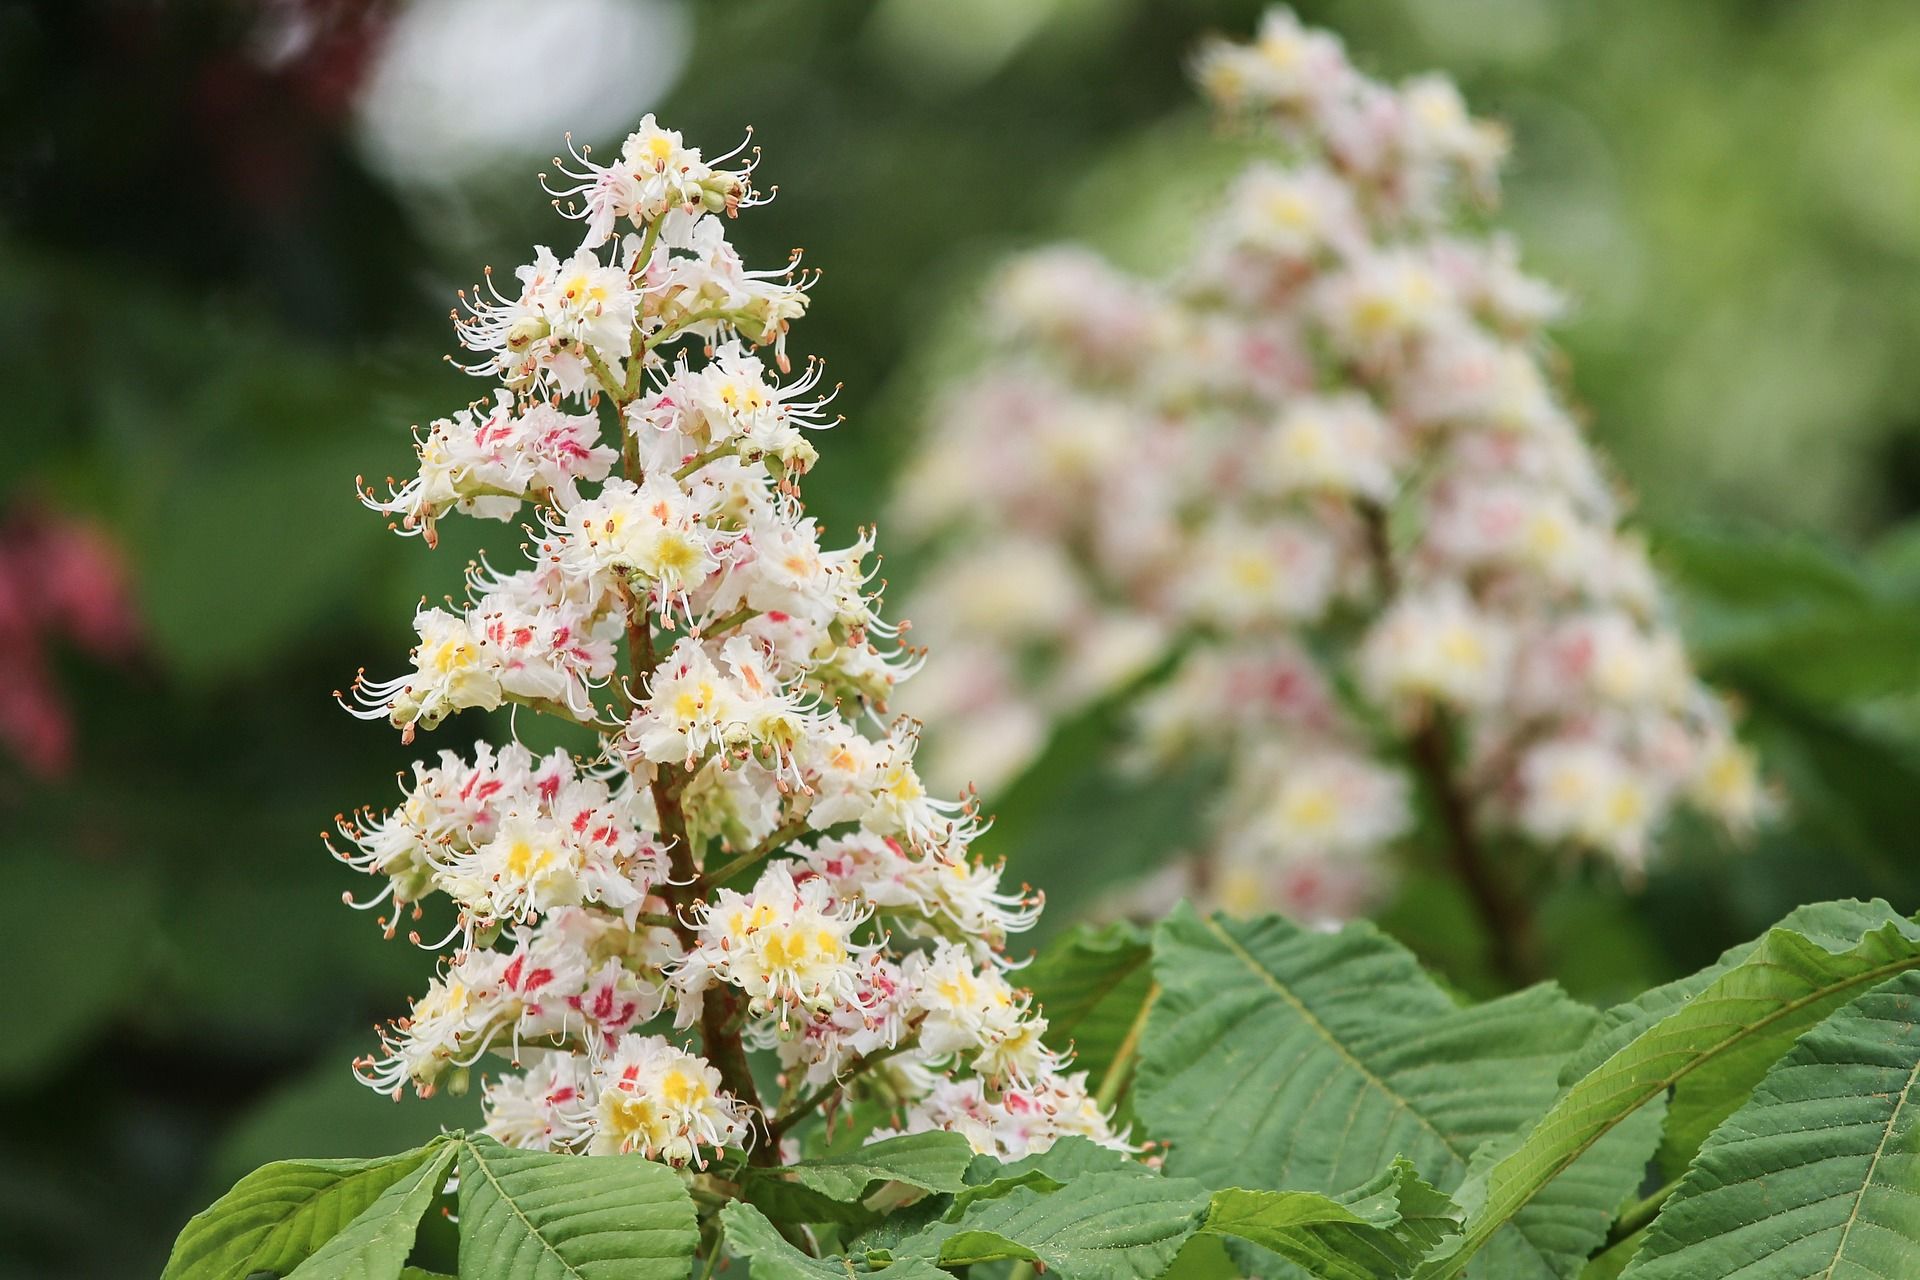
column 519, row 1213
column 276, row 1235
column 1477, row 1237
column 1272, row 980
column 1880, row 1149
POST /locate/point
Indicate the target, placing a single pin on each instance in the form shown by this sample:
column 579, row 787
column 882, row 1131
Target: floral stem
column 558, row 710
column 669, row 333
column 1506, row 919
column 744, row 613
column 806, row 1104
column 615, row 387
column 700, row 460
column 726, row 871
column 719, row 1026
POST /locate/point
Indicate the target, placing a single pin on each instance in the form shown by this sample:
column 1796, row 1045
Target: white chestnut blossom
column 736, row 855
column 1319, row 471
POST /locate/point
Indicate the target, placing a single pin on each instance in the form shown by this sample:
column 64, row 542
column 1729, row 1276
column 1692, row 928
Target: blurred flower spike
column 1325, row 451
column 62, row 583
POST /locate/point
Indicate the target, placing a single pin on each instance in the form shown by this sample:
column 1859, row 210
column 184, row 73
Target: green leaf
column 1103, row 1226
column 1819, row 1173
column 935, row 1161
column 375, row 1245
column 1069, row 1158
column 769, row 1256
column 533, row 1215
column 1092, row 982
column 328, row 1113
column 1282, row 1058
column 277, row 1216
column 1709, row 1038
column 1377, row 1233
column 829, row 1188
column 1795, row 614
column 1711, row 1092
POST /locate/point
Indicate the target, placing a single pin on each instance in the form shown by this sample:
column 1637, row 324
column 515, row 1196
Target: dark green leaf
column 1377, row 1233
column 1103, row 1226
column 533, row 1215
column 1288, row 1059
column 1710, row 1038
column 770, row 1256
column 375, row 1245
column 1819, row 1173
column 278, row 1216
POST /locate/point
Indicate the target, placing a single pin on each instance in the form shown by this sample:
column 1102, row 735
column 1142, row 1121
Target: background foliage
column 219, row 312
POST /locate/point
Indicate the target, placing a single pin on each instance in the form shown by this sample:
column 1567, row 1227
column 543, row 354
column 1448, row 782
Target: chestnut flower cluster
column 1323, row 461
column 741, row 857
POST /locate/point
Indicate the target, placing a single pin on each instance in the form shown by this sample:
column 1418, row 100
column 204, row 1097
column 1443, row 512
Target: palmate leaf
column 1102, row 1217
column 769, row 1256
column 1708, row 1038
column 830, row 1188
column 276, row 1217
column 934, row 1161
column 533, row 1215
column 1285, row 1059
column 1122, row 1225
column 1819, row 1173
column 375, row 1245
column 1711, row 1092
column 1377, row 1233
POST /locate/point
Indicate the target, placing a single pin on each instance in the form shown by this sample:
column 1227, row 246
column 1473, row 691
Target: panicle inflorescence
column 741, row 857
column 1324, row 452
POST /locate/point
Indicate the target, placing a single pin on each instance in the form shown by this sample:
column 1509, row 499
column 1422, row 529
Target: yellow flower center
column 683, row 1089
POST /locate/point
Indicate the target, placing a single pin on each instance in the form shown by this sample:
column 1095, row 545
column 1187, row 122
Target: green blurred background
column 229, row 234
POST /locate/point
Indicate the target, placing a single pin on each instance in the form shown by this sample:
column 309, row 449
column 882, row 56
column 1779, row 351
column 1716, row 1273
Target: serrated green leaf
column 1092, row 983
column 1713, row 1091
column 279, row 1215
column 1819, row 1173
column 375, row 1245
column 1836, row 926
column 1103, row 1226
column 1282, row 1058
column 1378, row 1233
column 1069, row 1158
column 830, row 1188
column 750, row 1235
column 935, row 1161
column 534, row 1215
column 1709, row 1038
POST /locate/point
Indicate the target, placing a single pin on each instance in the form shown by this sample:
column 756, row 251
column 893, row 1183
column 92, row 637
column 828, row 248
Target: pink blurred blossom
column 62, row 582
